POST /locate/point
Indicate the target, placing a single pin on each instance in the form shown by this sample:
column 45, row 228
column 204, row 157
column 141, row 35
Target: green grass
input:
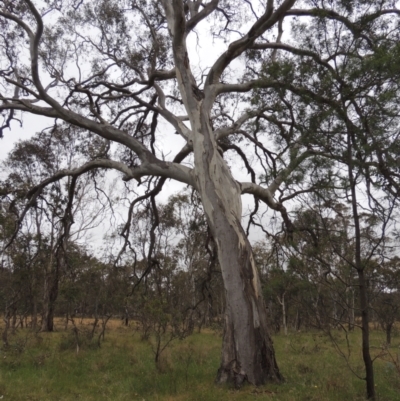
column 47, row 367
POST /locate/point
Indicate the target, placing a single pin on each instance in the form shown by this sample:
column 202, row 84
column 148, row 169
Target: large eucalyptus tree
column 118, row 68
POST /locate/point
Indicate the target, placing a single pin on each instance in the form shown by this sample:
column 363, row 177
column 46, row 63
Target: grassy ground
column 46, row 367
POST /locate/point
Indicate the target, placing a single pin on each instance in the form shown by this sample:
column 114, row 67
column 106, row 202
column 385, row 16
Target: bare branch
column 204, row 13
column 265, row 22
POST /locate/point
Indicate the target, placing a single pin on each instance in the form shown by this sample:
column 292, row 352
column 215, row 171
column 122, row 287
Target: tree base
column 261, row 370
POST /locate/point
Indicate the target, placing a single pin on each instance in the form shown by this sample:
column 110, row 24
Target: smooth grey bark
column 247, row 351
column 281, row 301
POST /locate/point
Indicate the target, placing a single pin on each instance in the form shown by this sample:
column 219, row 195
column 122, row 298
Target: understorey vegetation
column 48, row 366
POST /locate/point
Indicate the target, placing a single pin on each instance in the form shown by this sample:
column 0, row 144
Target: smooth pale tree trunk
column 283, row 304
column 14, row 320
column 247, row 351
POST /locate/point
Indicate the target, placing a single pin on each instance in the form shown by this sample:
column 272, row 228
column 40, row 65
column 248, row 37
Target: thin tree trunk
column 126, row 317
column 351, row 309
column 66, row 319
column 4, row 334
column 298, row 321
column 46, row 295
column 389, row 333
column 334, row 311
column 282, row 303
column 34, row 313
column 50, row 298
column 14, row 320
column 369, row 371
